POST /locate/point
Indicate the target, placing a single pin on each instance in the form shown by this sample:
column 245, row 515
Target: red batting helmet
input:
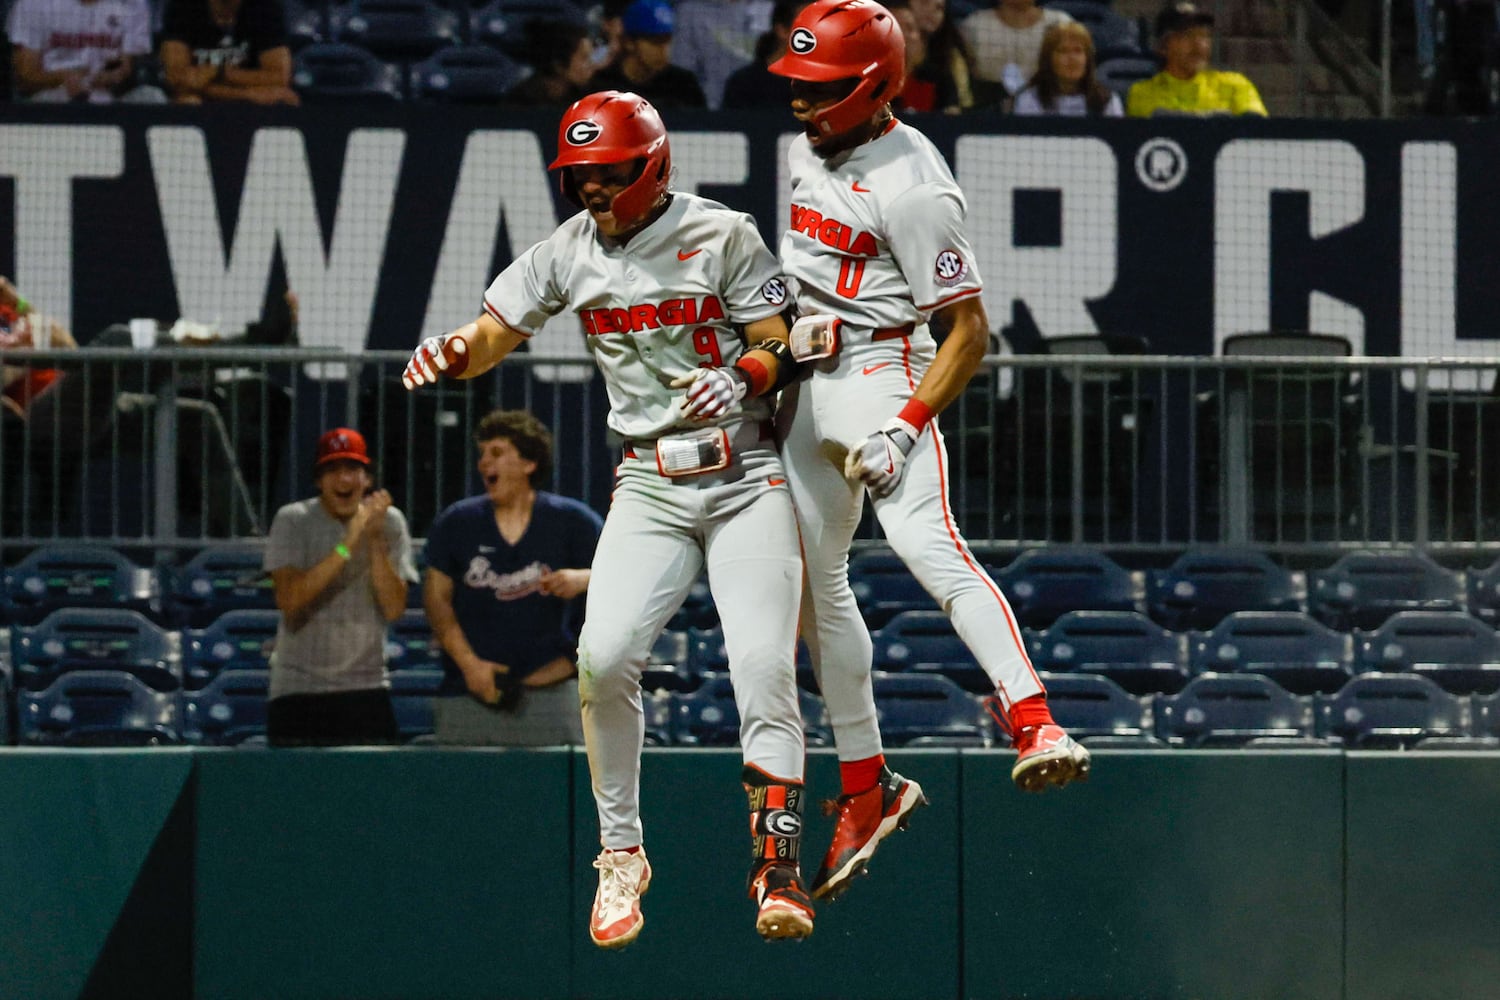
column 616, row 127
column 844, row 39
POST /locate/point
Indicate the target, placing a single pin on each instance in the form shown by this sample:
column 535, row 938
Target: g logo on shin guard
column 783, row 823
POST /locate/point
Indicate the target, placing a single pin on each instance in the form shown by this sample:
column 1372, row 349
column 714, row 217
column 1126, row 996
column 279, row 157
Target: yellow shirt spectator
column 1208, row 92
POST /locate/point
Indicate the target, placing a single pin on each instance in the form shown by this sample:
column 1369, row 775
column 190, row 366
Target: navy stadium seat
column 1044, row 584
column 397, row 29
column 505, row 24
column 1363, row 589
column 1483, row 587
column 1125, row 646
column 1486, row 718
column 335, row 72
column 658, row 710
column 220, row 579
column 926, row 707
column 96, row 639
column 1119, row 72
column 229, row 711
column 78, row 576
column 1387, row 711
column 914, row 637
column 306, row 23
column 1094, row 709
column 884, row 587
column 237, row 640
column 97, row 708
column 1231, row 710
column 410, row 644
column 1204, row 585
column 465, row 74
column 669, row 666
column 414, row 661
column 697, row 610
column 708, row 716
column 1292, row 648
column 1457, row 651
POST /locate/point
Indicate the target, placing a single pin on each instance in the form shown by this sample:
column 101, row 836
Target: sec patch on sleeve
column 950, row 267
column 774, row 291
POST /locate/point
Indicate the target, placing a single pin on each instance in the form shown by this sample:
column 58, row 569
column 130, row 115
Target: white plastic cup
column 41, row 330
column 143, row 334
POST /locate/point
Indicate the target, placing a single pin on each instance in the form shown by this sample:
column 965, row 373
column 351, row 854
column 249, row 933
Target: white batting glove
column 711, row 392
column 446, row 353
column 879, row 459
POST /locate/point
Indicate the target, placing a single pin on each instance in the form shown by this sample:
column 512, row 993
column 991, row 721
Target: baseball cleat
column 1048, row 756
column 624, row 877
column 785, row 912
column 865, row 819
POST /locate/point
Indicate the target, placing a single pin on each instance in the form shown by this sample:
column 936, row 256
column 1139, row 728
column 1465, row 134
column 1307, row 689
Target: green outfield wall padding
column 1423, row 902
column 383, row 874
column 892, row 936
column 1202, row 876
column 76, row 832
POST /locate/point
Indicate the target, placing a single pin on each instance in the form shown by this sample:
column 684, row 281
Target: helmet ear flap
column 569, row 187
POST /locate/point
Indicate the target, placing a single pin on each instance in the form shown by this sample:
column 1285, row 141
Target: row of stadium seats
column 1361, row 590
column 1373, row 711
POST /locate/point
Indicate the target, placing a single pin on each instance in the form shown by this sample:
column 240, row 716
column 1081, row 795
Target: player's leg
column 643, row 566
column 874, row 801
column 755, row 572
column 918, row 521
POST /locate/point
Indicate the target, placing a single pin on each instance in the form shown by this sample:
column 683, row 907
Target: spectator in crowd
column 1065, row 83
column 1005, row 43
column 1186, row 86
column 644, row 65
column 937, row 58
column 611, row 32
column 340, row 563
column 38, row 420
column 561, row 54
column 753, row 85
column 80, row 50
column 226, row 50
column 505, row 574
column 717, row 37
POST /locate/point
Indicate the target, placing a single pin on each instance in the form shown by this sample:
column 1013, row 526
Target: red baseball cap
column 342, row 443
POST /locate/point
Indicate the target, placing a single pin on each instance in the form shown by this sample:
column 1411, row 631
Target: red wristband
column 758, row 374
column 916, row 413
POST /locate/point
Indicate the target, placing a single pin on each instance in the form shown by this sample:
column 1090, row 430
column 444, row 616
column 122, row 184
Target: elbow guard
column 786, row 368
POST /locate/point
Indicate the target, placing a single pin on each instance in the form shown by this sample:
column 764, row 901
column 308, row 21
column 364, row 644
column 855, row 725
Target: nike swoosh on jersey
column 690, row 253
column 775, row 482
column 872, row 369
column 857, row 189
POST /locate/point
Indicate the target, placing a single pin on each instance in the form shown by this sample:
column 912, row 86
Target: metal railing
column 176, row 448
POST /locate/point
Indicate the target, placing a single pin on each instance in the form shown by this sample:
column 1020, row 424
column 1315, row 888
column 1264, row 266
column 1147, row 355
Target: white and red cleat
column 624, row 876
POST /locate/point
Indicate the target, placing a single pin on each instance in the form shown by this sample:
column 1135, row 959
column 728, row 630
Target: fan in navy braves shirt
column 506, row 571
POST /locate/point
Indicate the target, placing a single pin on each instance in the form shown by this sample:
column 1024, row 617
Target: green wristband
column 22, row 306
column 341, row 550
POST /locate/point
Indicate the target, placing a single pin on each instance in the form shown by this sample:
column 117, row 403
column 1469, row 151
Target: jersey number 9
column 706, row 343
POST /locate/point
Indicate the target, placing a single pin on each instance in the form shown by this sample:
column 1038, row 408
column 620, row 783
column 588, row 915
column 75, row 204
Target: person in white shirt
column 80, row 50
column 1005, row 42
column 1065, row 82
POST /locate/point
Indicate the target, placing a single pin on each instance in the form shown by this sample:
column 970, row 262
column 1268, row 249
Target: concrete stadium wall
column 426, row 873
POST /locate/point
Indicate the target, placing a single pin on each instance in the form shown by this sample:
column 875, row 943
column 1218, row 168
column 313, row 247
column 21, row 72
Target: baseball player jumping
column 661, row 284
column 876, row 246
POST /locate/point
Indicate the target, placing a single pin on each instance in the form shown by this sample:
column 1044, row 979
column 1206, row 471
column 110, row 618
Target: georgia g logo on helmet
column 581, row 133
column 802, row 41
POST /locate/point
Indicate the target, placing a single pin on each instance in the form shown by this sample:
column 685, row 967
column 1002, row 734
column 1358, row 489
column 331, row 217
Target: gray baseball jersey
column 665, row 303
column 877, row 238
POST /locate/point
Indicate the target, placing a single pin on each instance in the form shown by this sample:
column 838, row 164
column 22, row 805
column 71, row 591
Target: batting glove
column 434, row 356
column 879, row 459
column 711, row 392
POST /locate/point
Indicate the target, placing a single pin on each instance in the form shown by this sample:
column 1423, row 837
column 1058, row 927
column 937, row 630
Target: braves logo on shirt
column 949, row 268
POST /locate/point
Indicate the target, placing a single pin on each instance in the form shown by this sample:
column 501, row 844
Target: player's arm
column 765, row 369
column 956, row 362
column 471, row 350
